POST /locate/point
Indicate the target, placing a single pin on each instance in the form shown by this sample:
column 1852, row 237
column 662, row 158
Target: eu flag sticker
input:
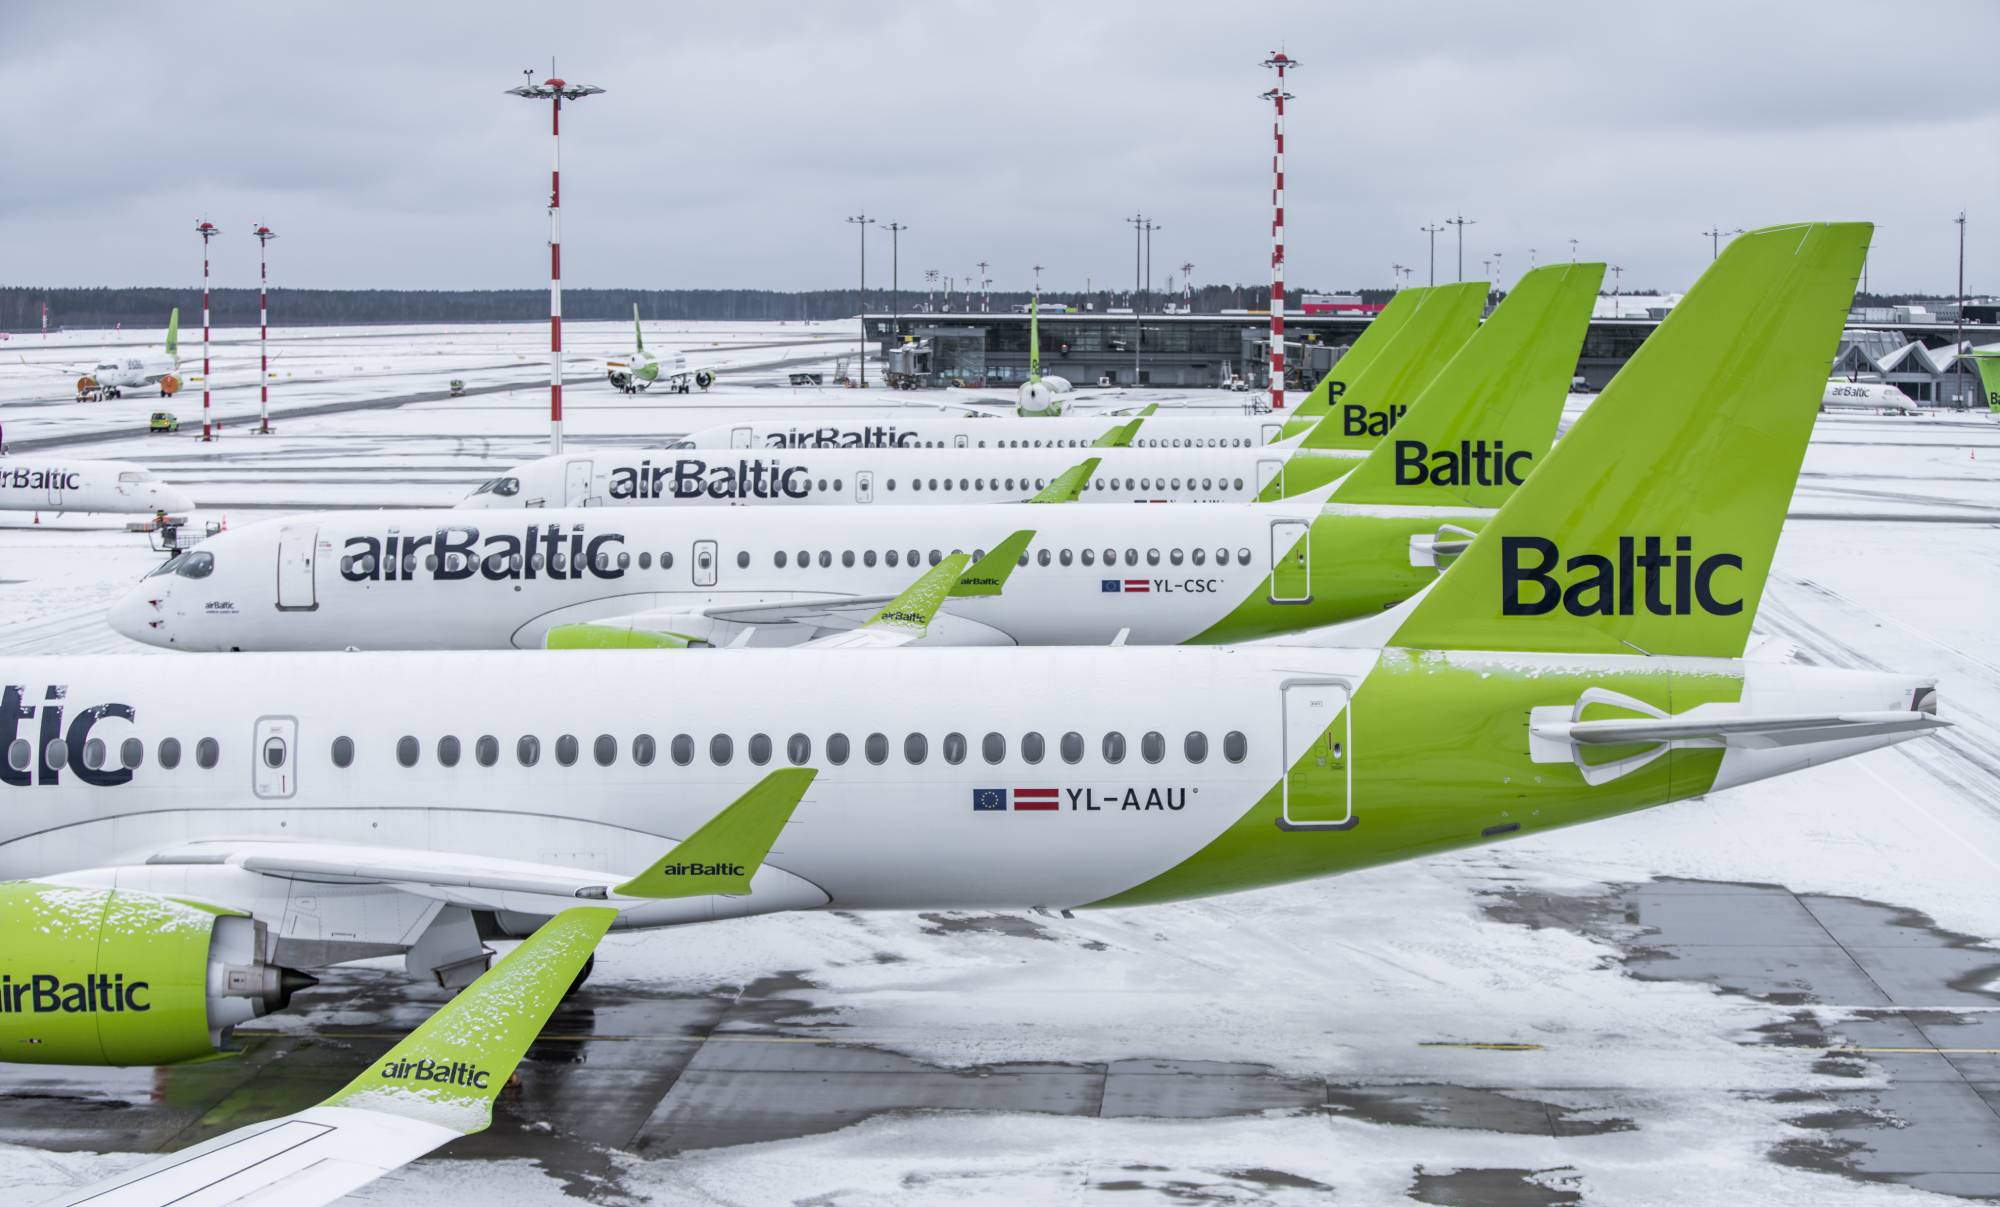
column 1109, row 585
column 989, row 800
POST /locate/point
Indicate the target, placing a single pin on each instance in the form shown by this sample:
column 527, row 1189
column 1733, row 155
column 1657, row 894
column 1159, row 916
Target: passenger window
column 1032, row 747
column 876, row 748
column 447, row 752
column 343, row 752
column 681, row 750
column 56, row 754
column 1114, row 747
column 645, row 561
column 1173, row 557
column 890, row 557
column 953, row 748
column 566, row 750
column 131, row 753
column 743, row 560
column 1063, row 557
column 805, row 559
column 528, row 750
column 1088, row 556
column 1195, row 746
column 1152, row 557
column 760, row 748
column 936, row 557
column 1198, row 555
column 868, row 558
column 847, row 558
column 993, row 747
column 721, row 749
column 604, row 750
column 1243, row 557
column 1234, row 746
column 778, row 559
column 1043, row 557
column 1153, row 747
column 836, row 748
column 825, row 559
column 170, row 753
column 914, row 558
column 207, row 753
column 1222, row 557
column 1072, row 747
column 407, row 750
column 1239, row 484
column 645, row 750
column 915, row 748
column 666, row 561
column 93, row 753
column 486, row 751
column 799, row 749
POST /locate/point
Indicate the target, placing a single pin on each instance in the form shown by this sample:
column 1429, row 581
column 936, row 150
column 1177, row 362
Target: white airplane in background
column 1844, row 394
column 84, row 486
column 640, row 370
column 158, row 368
column 890, row 431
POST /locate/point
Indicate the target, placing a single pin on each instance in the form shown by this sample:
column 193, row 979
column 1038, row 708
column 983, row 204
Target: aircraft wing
column 435, row 1086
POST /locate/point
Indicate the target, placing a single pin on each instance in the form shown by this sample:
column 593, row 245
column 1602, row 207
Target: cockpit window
column 169, row 566
column 506, row 488
column 194, row 565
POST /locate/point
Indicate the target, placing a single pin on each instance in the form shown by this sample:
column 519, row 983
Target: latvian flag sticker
column 1025, row 800
column 1124, row 586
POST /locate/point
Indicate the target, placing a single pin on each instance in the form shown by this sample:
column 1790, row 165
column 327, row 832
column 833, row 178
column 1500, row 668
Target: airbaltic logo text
column 98, row 993
column 1674, row 584
column 838, row 437
column 693, row 478
column 1358, row 420
column 1472, row 463
column 56, row 749
column 701, row 869
column 24, row 478
column 458, row 552
column 438, row 1072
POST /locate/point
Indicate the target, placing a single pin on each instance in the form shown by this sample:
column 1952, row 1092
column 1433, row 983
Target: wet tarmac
column 1909, row 1012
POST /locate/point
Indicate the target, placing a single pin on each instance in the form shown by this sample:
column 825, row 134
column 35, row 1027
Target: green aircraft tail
column 174, row 332
column 1490, row 416
column 1988, row 364
column 1377, row 335
column 1650, row 528
column 1375, row 398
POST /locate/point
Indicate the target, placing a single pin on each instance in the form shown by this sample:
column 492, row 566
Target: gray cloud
column 735, row 137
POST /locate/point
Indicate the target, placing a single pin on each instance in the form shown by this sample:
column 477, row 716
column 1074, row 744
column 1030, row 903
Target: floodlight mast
column 207, row 230
column 1278, row 96
column 555, row 90
column 264, row 236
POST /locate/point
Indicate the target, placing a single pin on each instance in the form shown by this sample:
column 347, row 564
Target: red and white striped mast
column 555, row 90
column 1278, row 96
column 264, row 237
column 207, row 230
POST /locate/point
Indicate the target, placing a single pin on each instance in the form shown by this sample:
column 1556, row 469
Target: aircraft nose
column 141, row 614
column 170, row 499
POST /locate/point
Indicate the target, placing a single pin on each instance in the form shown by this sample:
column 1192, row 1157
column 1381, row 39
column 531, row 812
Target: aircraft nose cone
column 141, row 614
column 173, row 500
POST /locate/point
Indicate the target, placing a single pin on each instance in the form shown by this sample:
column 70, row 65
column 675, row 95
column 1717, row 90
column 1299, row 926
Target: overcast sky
column 734, row 137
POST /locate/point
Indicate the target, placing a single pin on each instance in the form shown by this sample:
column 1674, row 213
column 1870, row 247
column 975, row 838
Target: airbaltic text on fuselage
column 1472, row 463
column 55, row 749
column 457, row 552
column 1676, row 582
column 24, row 477
column 840, row 437
column 692, row 478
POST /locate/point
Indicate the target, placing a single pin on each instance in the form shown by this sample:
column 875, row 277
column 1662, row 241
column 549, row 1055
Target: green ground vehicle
column 164, row 421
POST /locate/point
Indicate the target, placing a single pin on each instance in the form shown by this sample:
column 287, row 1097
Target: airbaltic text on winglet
column 701, row 869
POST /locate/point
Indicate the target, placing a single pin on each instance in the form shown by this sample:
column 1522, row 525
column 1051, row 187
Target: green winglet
column 449, row 1070
column 726, row 851
column 918, row 605
column 174, row 331
column 1066, row 486
column 1120, row 436
column 1650, row 527
column 615, row 637
column 1378, row 396
column 1490, row 417
column 1989, row 377
column 989, row 573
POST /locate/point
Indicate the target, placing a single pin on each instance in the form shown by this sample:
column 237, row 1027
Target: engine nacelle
column 704, row 378
column 1059, row 385
column 93, row 976
column 170, row 385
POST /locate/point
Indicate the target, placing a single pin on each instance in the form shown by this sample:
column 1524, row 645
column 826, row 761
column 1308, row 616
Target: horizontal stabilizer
column 727, row 850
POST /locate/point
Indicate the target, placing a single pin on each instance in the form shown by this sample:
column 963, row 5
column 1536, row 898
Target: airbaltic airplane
column 1872, row 396
column 110, row 378
column 665, row 578
column 1582, row 659
column 639, row 369
column 108, row 486
column 1395, row 357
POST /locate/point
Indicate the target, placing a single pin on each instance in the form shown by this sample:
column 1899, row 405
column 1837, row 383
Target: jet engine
column 94, row 976
column 170, row 385
column 704, row 378
column 1060, row 385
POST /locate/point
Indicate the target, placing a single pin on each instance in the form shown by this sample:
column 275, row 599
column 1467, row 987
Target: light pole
column 1038, row 280
column 1138, row 222
column 1432, row 230
column 1461, row 222
column 1531, row 259
column 930, row 289
column 1617, row 283
column 895, row 294
column 861, row 223
column 1715, row 236
column 1496, row 270
column 1396, row 276
column 1150, row 228
column 1572, row 251
column 1187, row 287
column 985, row 283
column 264, row 236
column 207, row 230
column 555, row 90
column 1958, row 339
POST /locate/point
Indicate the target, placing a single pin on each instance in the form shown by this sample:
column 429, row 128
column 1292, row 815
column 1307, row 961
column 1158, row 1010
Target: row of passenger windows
column 760, row 748
column 1079, row 442
column 1021, row 484
column 1042, row 557
column 131, row 753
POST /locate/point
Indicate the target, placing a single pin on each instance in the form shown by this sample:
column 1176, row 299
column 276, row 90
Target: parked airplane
column 107, row 486
column 1843, row 394
column 111, row 377
column 1148, row 576
column 1582, row 659
column 640, row 370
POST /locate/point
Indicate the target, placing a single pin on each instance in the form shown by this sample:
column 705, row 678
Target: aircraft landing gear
column 583, row 974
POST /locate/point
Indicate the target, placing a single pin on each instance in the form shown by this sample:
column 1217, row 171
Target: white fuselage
column 889, row 431
column 755, row 477
column 133, row 372
column 105, row 486
column 476, row 580
column 1873, row 396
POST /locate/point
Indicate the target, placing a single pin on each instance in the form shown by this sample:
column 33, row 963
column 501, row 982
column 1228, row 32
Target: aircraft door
column 740, row 437
column 274, row 774
column 1271, row 432
column 1291, row 561
column 864, row 486
column 958, row 440
column 55, row 488
column 1318, row 758
column 296, row 592
column 705, row 558
column 576, row 484
column 1268, row 472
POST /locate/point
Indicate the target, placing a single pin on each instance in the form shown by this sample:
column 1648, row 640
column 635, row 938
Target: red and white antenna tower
column 985, row 284
column 207, row 230
column 1187, row 288
column 264, row 236
column 45, row 320
column 1278, row 96
column 554, row 90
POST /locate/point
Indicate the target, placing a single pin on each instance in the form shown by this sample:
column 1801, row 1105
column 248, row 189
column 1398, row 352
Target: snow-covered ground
column 1405, row 975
